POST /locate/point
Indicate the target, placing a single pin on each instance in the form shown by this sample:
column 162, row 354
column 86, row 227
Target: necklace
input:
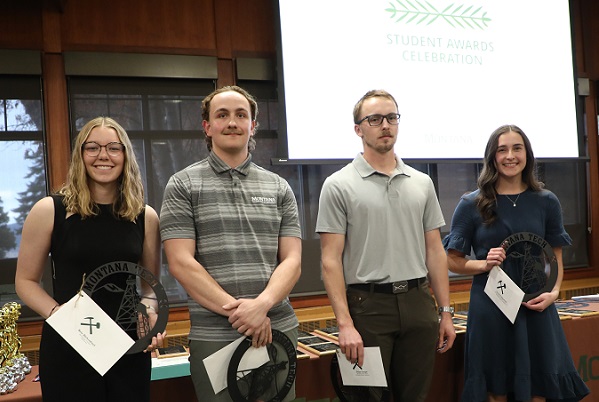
column 513, row 201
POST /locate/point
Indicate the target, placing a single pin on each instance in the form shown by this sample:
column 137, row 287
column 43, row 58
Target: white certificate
column 217, row 363
column 504, row 293
column 371, row 374
column 91, row 332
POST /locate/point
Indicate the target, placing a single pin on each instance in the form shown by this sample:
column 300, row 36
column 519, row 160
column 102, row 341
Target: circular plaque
column 121, row 280
column 534, row 258
column 253, row 384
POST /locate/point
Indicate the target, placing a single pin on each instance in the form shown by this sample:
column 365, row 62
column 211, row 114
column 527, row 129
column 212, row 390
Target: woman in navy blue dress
column 530, row 359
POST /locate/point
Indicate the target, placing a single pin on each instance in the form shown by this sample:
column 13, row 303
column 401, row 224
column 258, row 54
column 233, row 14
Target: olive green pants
column 406, row 327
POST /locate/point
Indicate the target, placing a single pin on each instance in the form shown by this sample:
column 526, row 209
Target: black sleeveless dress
column 80, row 246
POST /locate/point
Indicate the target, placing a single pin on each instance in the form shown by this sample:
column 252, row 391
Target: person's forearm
column 281, row 283
column 560, row 269
column 437, row 266
column 463, row 266
column 201, row 286
column 194, row 278
column 334, row 282
column 285, row 275
column 35, row 297
column 439, row 278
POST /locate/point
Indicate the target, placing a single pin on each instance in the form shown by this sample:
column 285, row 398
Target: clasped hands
column 249, row 318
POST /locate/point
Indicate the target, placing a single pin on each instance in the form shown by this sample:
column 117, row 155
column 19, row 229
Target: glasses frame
column 383, row 117
column 111, row 153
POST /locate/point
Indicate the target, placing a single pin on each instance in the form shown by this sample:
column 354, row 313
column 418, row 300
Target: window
column 163, row 120
column 23, row 179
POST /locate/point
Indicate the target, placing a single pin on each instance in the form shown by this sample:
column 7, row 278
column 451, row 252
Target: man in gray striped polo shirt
column 231, row 235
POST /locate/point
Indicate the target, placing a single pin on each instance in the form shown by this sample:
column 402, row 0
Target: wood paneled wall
column 156, row 26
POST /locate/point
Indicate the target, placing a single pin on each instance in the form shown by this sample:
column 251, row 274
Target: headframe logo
column 458, row 16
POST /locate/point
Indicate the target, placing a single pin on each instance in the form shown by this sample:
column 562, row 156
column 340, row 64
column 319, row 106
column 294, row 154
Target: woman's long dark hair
column 486, row 200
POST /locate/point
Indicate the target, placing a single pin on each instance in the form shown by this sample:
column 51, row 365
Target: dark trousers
column 199, row 350
column 406, row 327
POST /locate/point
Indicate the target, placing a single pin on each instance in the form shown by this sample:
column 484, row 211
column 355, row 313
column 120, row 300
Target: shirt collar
column 219, row 166
column 364, row 169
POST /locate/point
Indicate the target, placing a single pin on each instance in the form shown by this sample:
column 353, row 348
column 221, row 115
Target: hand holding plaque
column 133, row 314
column 271, row 381
column 529, row 269
column 532, row 257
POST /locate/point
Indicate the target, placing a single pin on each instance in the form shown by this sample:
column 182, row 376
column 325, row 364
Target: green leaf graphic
column 457, row 16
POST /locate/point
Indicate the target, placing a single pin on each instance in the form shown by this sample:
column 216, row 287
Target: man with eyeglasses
column 379, row 223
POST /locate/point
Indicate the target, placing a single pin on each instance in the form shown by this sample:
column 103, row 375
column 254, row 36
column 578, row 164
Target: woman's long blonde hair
column 129, row 202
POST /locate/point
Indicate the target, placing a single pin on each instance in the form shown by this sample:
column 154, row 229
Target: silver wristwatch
column 446, row 309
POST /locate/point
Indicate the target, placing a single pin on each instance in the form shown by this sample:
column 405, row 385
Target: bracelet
column 52, row 311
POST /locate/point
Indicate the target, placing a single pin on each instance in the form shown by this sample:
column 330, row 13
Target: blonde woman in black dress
column 99, row 216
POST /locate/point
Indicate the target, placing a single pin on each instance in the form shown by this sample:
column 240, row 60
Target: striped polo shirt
column 236, row 216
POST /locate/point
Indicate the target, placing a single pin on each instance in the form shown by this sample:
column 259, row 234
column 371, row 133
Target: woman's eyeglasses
column 92, row 148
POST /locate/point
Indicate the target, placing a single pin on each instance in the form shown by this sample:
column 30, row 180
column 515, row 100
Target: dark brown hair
column 486, row 200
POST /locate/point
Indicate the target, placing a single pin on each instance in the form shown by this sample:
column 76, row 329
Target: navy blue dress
column 530, row 357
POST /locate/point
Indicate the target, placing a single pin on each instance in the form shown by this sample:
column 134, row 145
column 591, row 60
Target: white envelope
column 372, row 372
column 504, row 293
column 217, row 363
column 91, row 332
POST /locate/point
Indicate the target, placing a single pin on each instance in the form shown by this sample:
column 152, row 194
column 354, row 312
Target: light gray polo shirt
column 236, row 217
column 383, row 218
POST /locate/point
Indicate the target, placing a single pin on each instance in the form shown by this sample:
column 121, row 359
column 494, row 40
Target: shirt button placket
column 235, row 184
